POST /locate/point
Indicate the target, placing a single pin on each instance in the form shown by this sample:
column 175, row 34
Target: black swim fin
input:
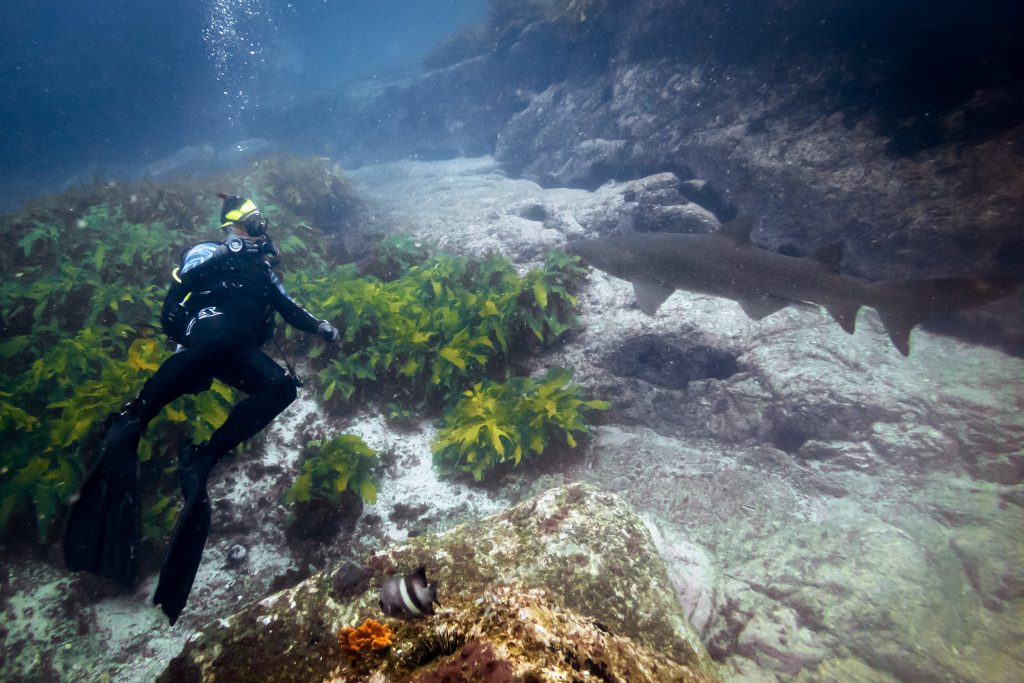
column 104, row 524
column 181, row 562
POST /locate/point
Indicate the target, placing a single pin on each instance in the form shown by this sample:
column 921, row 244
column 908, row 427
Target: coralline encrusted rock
column 563, row 583
column 512, row 633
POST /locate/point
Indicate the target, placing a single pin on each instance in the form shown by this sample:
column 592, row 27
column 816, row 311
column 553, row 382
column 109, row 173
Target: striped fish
column 409, row 596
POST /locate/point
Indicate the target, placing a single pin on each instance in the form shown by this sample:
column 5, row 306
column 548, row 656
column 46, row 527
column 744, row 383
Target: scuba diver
column 219, row 310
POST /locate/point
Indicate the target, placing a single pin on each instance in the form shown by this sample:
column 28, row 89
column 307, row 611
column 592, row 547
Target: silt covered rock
column 560, row 584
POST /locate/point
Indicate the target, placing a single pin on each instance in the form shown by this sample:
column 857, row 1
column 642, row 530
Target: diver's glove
column 267, row 247
column 327, row 331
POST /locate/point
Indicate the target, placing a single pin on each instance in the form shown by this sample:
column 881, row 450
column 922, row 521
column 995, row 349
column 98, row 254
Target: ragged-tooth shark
column 725, row 263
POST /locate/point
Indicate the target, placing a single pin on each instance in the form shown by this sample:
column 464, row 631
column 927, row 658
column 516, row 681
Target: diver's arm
column 174, row 315
column 296, row 315
column 201, row 259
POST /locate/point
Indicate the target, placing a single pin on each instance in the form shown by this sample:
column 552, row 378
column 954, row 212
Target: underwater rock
column 571, row 160
column 910, row 186
column 204, row 159
column 657, row 360
column 191, row 158
column 533, row 212
column 320, row 519
column 786, row 140
column 657, row 203
column 771, row 571
column 560, row 584
column 590, row 163
column 821, row 144
column 831, row 500
column 511, row 633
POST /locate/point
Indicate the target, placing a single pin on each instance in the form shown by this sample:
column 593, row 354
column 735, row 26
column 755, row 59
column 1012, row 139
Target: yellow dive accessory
column 239, row 214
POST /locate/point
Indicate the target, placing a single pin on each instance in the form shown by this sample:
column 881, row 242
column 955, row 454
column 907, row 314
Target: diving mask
column 255, row 224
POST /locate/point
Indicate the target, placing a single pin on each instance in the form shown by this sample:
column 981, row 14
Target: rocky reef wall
column 891, row 130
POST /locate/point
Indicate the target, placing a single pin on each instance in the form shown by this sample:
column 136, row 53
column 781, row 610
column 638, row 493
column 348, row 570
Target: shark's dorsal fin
column 829, row 256
column 762, row 307
column 650, row 295
column 738, row 229
column 845, row 315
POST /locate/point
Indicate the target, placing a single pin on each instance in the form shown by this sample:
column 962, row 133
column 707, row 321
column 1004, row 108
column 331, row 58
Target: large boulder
column 561, row 584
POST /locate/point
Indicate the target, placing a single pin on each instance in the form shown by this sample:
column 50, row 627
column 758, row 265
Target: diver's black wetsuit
column 220, row 310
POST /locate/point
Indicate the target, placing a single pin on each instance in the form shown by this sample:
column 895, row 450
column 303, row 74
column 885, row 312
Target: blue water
column 824, row 501
column 112, row 83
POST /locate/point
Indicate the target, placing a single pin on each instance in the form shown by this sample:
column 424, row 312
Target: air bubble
column 233, row 36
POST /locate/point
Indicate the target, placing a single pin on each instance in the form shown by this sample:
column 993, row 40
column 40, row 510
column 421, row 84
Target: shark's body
column 725, row 264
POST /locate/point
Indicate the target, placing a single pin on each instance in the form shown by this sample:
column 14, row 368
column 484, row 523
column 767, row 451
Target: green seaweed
column 87, row 279
column 159, row 518
column 548, row 305
column 440, row 325
column 306, row 186
column 495, row 423
column 80, row 307
column 338, row 464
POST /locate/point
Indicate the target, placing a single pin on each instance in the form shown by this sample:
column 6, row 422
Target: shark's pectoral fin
column 763, row 306
column 845, row 315
column 650, row 295
column 898, row 324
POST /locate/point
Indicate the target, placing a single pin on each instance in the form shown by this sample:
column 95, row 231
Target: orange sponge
column 371, row 636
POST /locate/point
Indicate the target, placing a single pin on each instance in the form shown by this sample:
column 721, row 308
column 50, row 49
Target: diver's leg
column 270, row 391
column 103, row 529
column 185, row 550
column 212, row 342
column 189, row 371
column 102, row 533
